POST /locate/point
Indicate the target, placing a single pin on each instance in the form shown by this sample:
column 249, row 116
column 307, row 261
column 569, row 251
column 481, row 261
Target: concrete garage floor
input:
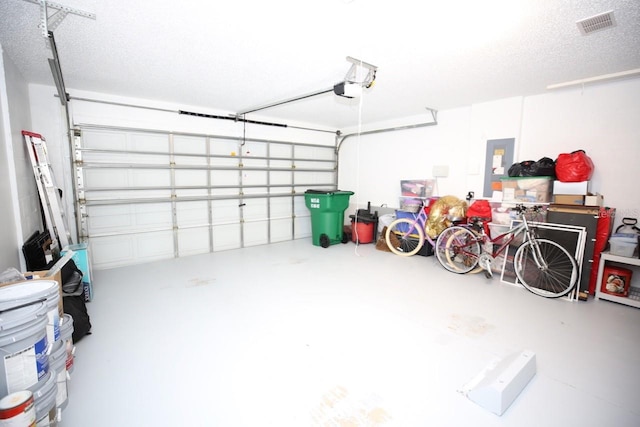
column 291, row 334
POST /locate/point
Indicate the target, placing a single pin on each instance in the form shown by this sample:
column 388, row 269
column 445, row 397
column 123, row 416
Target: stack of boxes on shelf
column 575, row 193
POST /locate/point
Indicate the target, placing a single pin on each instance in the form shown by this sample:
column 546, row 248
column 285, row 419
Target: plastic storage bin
column 623, row 244
column 327, row 216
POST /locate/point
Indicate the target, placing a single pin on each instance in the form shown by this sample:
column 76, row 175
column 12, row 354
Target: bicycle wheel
column 554, row 276
column 457, row 249
column 404, row 237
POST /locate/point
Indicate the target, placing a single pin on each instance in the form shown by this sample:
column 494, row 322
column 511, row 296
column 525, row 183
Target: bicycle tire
column 557, row 279
column 401, row 237
column 458, row 250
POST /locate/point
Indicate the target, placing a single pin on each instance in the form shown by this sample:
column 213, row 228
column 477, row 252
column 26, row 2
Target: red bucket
column 362, row 232
column 616, row 281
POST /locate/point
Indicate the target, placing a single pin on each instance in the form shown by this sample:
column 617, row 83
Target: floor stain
column 199, row 282
column 340, row 409
column 470, row 326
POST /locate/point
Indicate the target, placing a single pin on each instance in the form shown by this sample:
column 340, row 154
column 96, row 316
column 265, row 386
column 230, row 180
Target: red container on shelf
column 616, row 281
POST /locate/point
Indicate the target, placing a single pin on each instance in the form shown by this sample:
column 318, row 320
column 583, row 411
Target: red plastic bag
column 574, row 167
column 480, row 209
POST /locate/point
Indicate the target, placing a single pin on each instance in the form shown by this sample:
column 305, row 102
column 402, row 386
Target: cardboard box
column 594, row 200
column 568, row 199
column 531, row 189
column 42, row 275
column 573, row 188
column 575, row 199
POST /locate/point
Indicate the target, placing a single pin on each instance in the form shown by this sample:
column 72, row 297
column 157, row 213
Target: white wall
column 601, row 119
column 20, row 214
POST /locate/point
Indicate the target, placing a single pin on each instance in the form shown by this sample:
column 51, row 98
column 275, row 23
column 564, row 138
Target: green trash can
column 327, row 216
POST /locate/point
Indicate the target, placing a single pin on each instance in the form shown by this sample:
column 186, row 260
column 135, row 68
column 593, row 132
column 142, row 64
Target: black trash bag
column 521, row 169
column 73, row 300
column 543, row 167
column 514, row 170
column 546, row 167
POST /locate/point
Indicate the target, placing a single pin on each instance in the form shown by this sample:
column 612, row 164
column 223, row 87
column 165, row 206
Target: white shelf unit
column 604, row 257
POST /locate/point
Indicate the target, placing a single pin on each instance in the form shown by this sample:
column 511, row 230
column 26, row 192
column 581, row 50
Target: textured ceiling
column 234, row 55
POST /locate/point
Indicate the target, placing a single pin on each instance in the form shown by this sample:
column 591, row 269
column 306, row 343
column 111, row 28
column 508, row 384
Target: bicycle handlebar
column 522, row 208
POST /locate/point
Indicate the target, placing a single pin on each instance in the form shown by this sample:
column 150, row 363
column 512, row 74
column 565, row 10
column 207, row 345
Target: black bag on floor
column 73, row 300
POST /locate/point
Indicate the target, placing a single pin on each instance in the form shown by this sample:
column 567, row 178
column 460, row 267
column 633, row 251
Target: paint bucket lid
column 15, row 319
column 26, row 292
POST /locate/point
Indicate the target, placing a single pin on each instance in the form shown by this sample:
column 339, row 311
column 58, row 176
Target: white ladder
column 49, row 195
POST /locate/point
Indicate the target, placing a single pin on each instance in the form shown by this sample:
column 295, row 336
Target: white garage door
column 145, row 195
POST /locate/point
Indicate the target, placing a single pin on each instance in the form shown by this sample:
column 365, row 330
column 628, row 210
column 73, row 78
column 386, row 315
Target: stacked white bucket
column 35, row 348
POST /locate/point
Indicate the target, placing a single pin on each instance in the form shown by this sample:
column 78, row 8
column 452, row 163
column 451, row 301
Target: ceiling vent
column 596, row 23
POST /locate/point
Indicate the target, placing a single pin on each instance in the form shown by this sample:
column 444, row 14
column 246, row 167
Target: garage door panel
column 94, row 196
column 117, row 251
column 281, row 178
column 300, row 207
column 106, row 178
column 253, row 148
column 280, row 150
column 254, row 177
column 105, row 219
column 310, row 178
column 226, row 192
column 148, row 142
column 104, row 140
column 302, row 226
column 190, row 145
column 256, row 233
column 281, row 230
column 256, row 190
column 153, row 214
column 255, row 209
column 129, row 218
column 225, row 211
column 190, row 177
column 109, row 178
column 154, row 246
column 313, row 152
column 192, row 213
column 110, row 252
column 225, row 147
column 248, row 162
column 281, row 207
column 226, row 178
column 226, row 237
column 193, row 241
